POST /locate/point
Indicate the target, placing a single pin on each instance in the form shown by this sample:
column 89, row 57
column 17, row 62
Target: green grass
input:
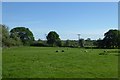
column 0, row 62
column 44, row 62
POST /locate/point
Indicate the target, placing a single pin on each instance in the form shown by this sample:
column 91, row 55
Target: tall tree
column 5, row 35
column 53, row 39
column 24, row 34
column 111, row 39
column 8, row 41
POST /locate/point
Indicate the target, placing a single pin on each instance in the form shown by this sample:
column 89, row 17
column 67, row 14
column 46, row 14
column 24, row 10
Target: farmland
column 45, row 62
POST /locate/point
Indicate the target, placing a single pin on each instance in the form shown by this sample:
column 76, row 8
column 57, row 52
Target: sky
column 90, row 19
column 60, row 0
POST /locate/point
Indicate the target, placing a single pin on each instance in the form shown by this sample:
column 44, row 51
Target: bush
column 37, row 44
column 7, row 40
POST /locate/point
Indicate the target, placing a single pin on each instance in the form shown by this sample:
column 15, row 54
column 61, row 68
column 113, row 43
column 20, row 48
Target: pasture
column 46, row 62
column 0, row 62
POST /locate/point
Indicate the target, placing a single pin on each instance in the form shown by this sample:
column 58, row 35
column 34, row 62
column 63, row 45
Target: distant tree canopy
column 25, row 35
column 89, row 43
column 111, row 39
column 71, row 43
column 53, row 39
column 81, row 42
column 67, row 43
column 0, row 35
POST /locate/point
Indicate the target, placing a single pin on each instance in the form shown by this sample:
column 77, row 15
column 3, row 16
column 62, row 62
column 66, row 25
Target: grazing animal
column 56, row 50
column 101, row 53
column 104, row 51
column 63, row 51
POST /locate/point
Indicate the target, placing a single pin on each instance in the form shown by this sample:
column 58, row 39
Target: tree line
column 22, row 36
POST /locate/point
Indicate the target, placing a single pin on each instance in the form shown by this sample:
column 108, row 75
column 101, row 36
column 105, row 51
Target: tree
column 88, row 42
column 0, row 35
column 25, row 35
column 53, row 39
column 7, row 40
column 88, row 39
column 5, row 35
column 16, row 41
column 81, row 42
column 99, row 43
column 118, row 42
column 67, row 43
column 111, row 39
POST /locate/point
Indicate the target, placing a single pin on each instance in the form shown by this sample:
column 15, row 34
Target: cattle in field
column 57, row 50
column 63, row 51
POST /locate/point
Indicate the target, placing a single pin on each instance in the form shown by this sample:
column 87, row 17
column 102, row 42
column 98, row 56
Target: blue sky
column 90, row 19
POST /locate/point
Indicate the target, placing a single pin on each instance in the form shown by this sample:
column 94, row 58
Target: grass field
column 45, row 62
column 0, row 62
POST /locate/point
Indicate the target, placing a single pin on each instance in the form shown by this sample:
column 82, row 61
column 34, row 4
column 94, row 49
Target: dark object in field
column 56, row 50
column 102, row 53
column 86, row 51
column 105, row 51
column 63, row 51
